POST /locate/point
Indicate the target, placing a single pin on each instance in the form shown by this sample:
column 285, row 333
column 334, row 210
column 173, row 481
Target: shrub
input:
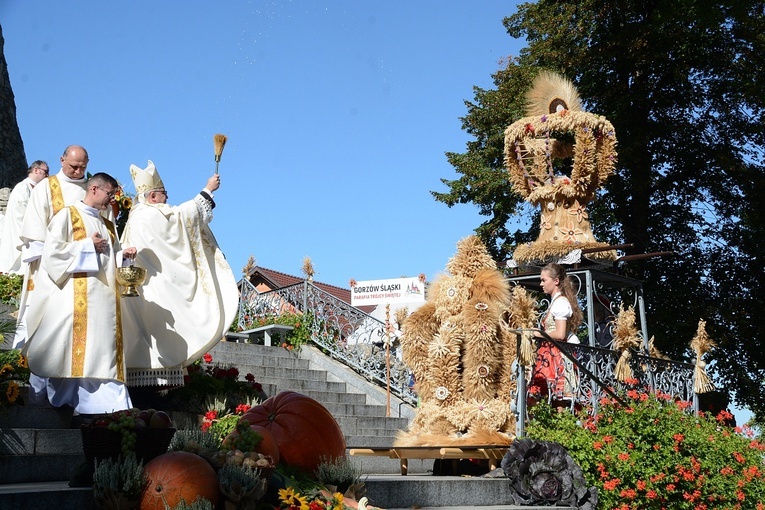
column 653, row 454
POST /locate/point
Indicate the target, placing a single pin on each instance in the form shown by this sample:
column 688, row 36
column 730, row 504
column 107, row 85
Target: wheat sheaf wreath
column 533, row 142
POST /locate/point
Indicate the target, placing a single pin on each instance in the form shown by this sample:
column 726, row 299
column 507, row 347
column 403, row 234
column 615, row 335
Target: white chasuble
column 190, row 297
column 10, row 253
column 48, row 197
column 74, row 328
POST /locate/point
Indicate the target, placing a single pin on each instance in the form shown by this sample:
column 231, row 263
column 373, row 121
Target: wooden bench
column 254, row 335
column 493, row 453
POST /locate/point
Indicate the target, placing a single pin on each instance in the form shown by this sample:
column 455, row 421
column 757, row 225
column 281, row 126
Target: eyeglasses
column 110, row 194
column 164, row 192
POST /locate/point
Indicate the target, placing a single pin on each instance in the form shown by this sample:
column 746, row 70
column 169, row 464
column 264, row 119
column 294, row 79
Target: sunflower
column 292, row 500
column 6, row 369
column 12, row 392
column 337, row 501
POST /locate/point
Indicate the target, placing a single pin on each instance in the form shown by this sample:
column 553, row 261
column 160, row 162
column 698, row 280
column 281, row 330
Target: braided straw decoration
column 625, row 337
column 529, row 149
column 522, row 315
column 701, row 344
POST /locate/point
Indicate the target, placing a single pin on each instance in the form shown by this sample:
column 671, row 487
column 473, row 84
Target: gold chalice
column 130, row 277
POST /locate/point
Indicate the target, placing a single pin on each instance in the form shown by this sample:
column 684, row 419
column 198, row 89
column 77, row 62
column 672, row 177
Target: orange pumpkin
column 268, row 445
column 305, row 431
column 178, row 475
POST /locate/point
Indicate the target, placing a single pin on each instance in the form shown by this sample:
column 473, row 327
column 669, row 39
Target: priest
column 75, row 330
column 190, row 296
column 10, row 253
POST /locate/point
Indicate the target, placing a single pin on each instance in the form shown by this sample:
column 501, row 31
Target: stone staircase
column 38, row 452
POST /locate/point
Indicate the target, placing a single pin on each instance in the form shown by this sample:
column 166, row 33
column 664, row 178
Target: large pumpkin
column 178, row 475
column 305, row 431
column 268, row 445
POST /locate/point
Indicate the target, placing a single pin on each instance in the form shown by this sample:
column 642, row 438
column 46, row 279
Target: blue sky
column 338, row 115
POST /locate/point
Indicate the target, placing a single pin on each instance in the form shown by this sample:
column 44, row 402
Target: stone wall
column 13, row 160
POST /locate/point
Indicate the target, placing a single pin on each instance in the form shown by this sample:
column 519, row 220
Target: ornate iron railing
column 342, row 331
column 583, row 375
column 359, row 341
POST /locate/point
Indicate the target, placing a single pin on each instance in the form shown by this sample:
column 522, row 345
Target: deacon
column 10, row 254
column 75, row 330
column 190, row 297
column 48, row 197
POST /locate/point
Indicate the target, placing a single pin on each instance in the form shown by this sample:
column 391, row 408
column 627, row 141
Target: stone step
column 34, row 417
column 265, row 373
column 330, row 397
column 38, row 468
column 257, row 355
column 305, row 387
column 240, row 351
column 353, row 409
column 393, row 492
column 24, row 441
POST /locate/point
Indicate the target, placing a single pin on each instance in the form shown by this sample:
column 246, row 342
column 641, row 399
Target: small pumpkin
column 178, row 475
column 306, row 433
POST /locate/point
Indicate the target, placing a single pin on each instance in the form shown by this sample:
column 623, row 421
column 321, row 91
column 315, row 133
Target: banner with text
column 383, row 292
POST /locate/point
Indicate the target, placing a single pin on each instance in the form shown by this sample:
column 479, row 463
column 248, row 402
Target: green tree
column 681, row 81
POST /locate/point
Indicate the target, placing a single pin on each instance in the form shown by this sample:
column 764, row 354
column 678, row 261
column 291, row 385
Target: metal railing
column 588, row 374
column 342, row 331
column 359, row 341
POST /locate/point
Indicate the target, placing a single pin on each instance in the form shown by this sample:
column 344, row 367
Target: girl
column 554, row 373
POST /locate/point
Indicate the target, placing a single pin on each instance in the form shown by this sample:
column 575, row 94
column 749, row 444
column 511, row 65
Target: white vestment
column 189, row 298
column 10, row 253
column 74, row 326
column 47, row 198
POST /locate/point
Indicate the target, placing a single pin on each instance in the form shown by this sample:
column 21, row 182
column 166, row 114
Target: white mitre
column 144, row 180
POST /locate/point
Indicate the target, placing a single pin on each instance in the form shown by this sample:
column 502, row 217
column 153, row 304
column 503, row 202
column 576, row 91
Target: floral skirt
column 554, row 374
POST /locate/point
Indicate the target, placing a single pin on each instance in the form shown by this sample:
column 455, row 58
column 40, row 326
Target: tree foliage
column 682, row 83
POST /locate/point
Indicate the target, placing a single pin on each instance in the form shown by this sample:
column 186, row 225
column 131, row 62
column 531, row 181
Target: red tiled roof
column 277, row 280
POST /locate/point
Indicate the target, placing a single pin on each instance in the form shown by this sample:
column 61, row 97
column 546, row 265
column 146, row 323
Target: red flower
column 628, row 493
column 611, row 484
column 207, row 357
column 249, row 377
column 211, row 415
column 242, row 408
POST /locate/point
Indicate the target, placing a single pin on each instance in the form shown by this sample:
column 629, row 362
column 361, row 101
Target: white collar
column 61, row 175
column 90, row 211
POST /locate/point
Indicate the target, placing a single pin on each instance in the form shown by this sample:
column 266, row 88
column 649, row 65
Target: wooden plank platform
column 494, row 453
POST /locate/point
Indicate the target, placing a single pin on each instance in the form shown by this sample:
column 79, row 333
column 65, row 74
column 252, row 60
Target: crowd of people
column 80, row 336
